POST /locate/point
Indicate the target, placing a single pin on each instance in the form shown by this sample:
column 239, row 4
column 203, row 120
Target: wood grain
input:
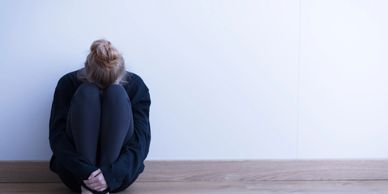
column 26, row 171
column 220, row 171
column 265, row 170
column 260, row 187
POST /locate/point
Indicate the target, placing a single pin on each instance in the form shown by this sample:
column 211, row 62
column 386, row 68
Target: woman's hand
column 96, row 181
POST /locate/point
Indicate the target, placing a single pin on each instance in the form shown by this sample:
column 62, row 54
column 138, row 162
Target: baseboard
column 220, row 171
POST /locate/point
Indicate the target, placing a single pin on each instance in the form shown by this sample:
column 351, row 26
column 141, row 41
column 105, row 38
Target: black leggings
column 99, row 122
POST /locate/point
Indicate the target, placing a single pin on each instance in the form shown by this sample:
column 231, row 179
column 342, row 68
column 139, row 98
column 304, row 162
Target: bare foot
column 85, row 191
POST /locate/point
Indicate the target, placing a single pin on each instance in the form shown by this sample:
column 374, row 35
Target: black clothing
column 71, row 163
column 99, row 123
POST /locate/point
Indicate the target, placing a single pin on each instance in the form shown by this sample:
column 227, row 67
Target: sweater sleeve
column 135, row 150
column 63, row 149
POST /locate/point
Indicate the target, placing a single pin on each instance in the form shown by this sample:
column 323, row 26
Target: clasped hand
column 96, row 181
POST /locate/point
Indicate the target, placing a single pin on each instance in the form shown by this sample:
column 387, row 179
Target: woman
column 99, row 124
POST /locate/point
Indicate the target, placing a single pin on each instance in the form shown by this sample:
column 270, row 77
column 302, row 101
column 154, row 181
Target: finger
column 94, row 186
column 95, row 173
column 92, row 180
column 87, row 182
column 89, row 186
column 103, row 185
column 98, row 184
column 96, row 181
column 100, row 188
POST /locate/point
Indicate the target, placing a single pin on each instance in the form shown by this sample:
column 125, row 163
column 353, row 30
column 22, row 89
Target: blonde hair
column 104, row 65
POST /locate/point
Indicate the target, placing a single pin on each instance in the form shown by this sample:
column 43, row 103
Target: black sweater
column 130, row 162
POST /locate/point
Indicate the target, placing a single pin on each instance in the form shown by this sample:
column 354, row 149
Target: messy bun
column 104, row 65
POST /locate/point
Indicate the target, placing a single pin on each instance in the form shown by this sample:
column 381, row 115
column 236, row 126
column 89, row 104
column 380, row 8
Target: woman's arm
column 63, row 149
column 134, row 152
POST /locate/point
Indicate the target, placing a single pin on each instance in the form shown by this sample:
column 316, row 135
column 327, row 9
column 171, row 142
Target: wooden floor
column 216, row 177
column 263, row 187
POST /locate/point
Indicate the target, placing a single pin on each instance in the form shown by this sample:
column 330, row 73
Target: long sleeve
column 130, row 162
column 63, row 149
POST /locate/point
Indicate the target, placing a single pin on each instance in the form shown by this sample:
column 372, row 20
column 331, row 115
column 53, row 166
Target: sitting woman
column 99, row 124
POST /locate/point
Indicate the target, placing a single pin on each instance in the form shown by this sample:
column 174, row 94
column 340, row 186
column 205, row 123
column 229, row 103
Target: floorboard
column 216, row 177
column 261, row 187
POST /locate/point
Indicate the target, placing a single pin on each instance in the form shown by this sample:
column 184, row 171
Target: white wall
column 250, row 79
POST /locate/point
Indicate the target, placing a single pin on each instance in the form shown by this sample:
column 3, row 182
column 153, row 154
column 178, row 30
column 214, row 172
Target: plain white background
column 249, row 79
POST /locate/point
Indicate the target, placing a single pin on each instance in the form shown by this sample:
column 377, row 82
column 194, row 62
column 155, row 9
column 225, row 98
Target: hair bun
column 104, row 53
column 104, row 64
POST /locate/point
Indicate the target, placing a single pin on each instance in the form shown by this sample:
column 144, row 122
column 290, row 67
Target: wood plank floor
column 261, row 187
column 216, row 177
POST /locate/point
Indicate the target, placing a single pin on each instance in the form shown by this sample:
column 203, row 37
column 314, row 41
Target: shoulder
column 134, row 81
column 69, row 77
column 135, row 85
column 68, row 81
